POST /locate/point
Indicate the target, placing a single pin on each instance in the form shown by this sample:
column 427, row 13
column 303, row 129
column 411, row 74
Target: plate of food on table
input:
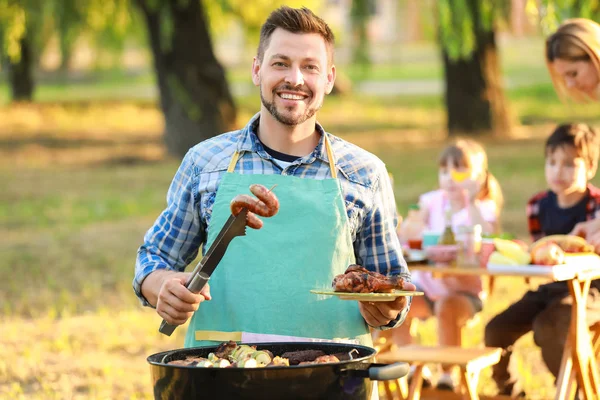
column 549, row 251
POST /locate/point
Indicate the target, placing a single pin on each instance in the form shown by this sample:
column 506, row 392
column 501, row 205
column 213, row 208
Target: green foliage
column 552, row 12
column 460, row 20
column 106, row 22
column 223, row 14
column 14, row 21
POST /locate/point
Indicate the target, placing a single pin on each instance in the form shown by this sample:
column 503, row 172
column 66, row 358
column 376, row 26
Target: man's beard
column 284, row 119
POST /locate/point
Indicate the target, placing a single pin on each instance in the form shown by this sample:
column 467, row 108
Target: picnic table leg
column 565, row 387
column 414, row 392
column 596, row 341
column 389, row 395
column 468, row 384
column 584, row 359
column 491, row 285
column 402, row 388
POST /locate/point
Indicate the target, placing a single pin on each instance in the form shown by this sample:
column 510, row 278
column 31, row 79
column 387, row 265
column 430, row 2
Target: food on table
column 547, row 253
column 358, row 279
column 513, row 251
column 231, row 355
column 267, row 205
column 568, row 243
column 500, row 259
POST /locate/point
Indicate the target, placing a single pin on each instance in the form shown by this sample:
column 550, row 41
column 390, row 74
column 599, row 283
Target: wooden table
column 579, row 358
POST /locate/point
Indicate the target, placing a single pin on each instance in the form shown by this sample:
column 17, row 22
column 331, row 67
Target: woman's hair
column 470, row 154
column 575, row 39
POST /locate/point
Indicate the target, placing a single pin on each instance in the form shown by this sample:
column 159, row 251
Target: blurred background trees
column 192, row 81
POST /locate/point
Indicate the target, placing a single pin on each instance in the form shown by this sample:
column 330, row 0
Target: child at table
column 571, row 161
column 476, row 200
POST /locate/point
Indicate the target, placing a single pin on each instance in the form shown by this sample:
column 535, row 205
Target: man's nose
column 294, row 77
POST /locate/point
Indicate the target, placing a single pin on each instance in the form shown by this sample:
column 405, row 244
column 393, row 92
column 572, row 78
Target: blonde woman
column 573, row 60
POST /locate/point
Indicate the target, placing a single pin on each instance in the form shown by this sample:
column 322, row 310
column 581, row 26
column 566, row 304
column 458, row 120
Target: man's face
column 294, row 76
column 566, row 172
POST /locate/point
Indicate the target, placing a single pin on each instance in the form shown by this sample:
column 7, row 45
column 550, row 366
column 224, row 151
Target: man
column 336, row 207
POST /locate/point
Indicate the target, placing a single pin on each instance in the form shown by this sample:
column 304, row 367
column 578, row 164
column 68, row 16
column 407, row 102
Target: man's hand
column 176, row 304
column 165, row 289
column 590, row 230
column 380, row 313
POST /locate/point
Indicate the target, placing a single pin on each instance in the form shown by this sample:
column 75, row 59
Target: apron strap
column 234, row 159
column 236, row 156
column 330, row 157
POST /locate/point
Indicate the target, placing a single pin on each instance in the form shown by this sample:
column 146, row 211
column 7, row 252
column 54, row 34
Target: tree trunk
column 474, row 95
column 360, row 14
column 20, row 73
column 194, row 95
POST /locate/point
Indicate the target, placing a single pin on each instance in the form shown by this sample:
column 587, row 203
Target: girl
column 476, row 200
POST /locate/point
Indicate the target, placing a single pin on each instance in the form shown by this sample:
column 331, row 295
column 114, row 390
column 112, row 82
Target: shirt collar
column 249, row 142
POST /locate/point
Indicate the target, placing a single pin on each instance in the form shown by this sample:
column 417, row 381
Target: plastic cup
column 430, row 239
column 415, row 244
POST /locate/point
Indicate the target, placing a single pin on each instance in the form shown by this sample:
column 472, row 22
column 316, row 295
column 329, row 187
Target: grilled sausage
column 266, row 205
column 267, row 197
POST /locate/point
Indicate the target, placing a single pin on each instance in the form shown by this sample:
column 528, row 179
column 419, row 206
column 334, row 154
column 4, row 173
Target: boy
column 571, row 162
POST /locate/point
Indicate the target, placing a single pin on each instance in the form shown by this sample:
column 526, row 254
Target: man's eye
column 278, row 64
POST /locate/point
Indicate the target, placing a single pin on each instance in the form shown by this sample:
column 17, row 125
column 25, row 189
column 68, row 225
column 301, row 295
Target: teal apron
column 261, row 288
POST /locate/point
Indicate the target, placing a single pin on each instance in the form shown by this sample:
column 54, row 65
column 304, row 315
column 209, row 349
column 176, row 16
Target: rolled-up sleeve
column 378, row 247
column 174, row 239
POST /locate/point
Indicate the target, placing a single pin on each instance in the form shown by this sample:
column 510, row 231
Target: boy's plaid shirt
column 533, row 210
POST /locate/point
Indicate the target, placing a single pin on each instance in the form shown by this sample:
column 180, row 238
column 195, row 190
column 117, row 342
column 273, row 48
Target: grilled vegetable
column 262, row 358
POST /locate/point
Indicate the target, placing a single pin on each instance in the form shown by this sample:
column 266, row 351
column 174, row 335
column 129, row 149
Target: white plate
column 416, row 256
column 368, row 296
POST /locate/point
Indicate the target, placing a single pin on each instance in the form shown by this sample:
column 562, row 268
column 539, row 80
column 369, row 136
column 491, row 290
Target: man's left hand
column 381, row 313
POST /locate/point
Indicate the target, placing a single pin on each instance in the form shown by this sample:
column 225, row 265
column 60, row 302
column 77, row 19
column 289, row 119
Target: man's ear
column 256, row 71
column 330, row 80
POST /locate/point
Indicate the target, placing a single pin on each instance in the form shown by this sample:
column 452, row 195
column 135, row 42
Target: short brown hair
column 295, row 20
column 582, row 137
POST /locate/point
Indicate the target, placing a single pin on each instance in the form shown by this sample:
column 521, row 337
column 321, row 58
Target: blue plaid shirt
column 173, row 242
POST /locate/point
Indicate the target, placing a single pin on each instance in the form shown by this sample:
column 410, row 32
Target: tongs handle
column 195, row 286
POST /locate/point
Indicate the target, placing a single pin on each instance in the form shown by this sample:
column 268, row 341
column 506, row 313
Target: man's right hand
column 174, row 302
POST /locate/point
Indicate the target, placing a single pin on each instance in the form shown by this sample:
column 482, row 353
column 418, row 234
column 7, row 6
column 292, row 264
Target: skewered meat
column 322, row 360
column 266, row 205
column 225, row 349
column 231, row 355
column 358, row 279
column 300, row 356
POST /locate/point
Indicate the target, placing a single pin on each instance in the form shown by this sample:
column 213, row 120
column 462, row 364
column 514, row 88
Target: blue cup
column 430, row 239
